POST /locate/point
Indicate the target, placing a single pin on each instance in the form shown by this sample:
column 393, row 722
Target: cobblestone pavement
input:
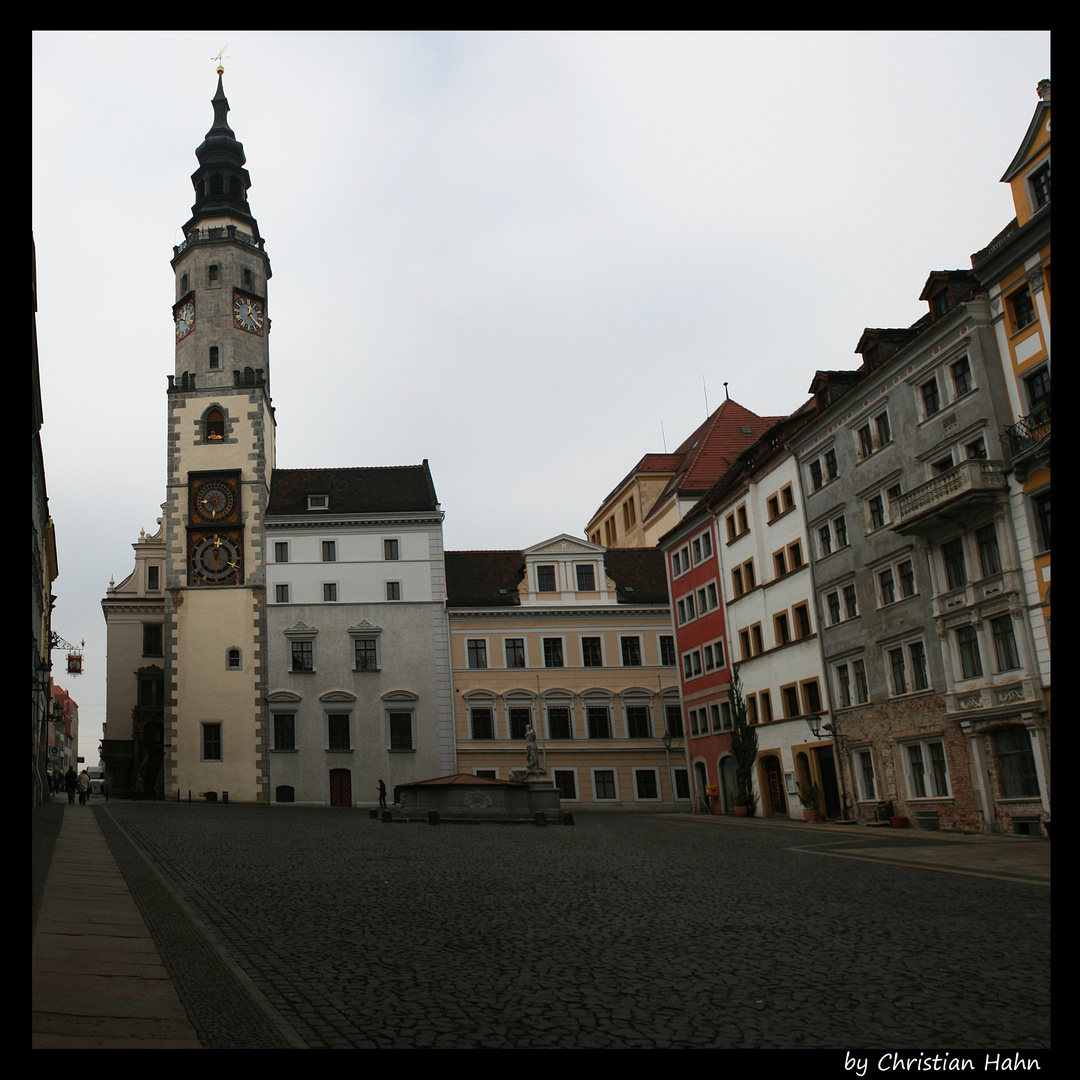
column 623, row 931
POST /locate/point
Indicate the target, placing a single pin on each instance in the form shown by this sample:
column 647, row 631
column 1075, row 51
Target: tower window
column 215, row 425
column 212, row 272
column 184, row 285
column 249, row 279
column 214, row 357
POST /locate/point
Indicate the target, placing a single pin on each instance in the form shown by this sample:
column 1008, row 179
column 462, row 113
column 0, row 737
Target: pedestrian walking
column 71, row 783
column 83, row 784
column 382, row 795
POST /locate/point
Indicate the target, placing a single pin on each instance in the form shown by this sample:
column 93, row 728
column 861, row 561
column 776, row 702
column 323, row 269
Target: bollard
column 225, row 796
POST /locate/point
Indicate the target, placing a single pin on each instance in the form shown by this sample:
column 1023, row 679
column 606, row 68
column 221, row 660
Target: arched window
column 215, row 425
column 284, row 793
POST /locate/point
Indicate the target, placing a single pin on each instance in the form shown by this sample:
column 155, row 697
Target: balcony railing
column 1025, row 433
column 970, row 481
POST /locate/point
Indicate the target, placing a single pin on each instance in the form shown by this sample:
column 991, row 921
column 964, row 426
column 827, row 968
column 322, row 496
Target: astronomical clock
column 215, row 532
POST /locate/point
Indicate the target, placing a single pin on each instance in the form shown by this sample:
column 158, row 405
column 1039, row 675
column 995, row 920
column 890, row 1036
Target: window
column 281, row 594
column 955, row 567
column 899, row 677
column 482, row 723
column 591, row 655
column 637, row 722
column 1040, row 505
column 816, row 479
column 393, row 590
column 706, row 545
column 553, row 654
column 303, row 656
column 907, row 579
column 329, row 551
column 629, row 517
column 862, row 690
column 515, row 652
column 645, row 784
column 477, row 652
column 1037, row 386
column 281, row 551
column 682, row 784
column 787, row 496
column 824, row 541
column 604, row 784
column 774, row 506
column 780, row 564
column 729, row 521
column 866, row 441
column 211, row 742
column 864, row 774
column 667, row 650
column 609, row 532
column 367, row 658
column 781, row 631
column 337, row 731
column 736, row 581
column 153, row 578
column 928, row 774
column 598, row 721
column 631, row 652
column 318, row 502
column 931, row 397
column 748, row 575
column 520, row 719
column 884, row 431
column 545, row 578
column 758, row 640
column 1004, row 643
column 1022, row 308
column 680, row 562
column 401, row 731
column 794, row 551
column 586, row 578
column 917, row 654
column 961, row 373
column 740, row 513
column 391, row 550
column 559, row 725
column 566, row 782
column 989, row 555
column 215, row 425
column 907, row 667
column 802, row 620
column 1040, row 184
column 843, row 685
column 284, row 731
column 766, row 707
column 851, row 609
column 840, row 525
column 153, row 637
column 1017, row 764
column 976, row 450
column 790, row 695
column 886, row 587
column 832, row 601
column 329, row 592
column 967, row 641
column 232, row 660
column 876, row 506
column 673, row 719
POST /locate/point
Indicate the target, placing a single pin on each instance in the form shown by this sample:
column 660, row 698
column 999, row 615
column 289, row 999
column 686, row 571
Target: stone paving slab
column 97, row 979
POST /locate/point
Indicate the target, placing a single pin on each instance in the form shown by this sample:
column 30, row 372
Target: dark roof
column 638, row 573
column 474, row 578
column 392, row 489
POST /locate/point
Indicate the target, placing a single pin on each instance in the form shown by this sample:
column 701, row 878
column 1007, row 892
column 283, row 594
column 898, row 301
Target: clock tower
column 220, row 461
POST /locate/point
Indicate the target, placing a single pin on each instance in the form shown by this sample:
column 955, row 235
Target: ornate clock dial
column 185, row 319
column 248, row 314
column 215, row 560
column 215, row 501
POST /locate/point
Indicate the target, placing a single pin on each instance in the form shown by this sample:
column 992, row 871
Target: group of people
column 73, row 783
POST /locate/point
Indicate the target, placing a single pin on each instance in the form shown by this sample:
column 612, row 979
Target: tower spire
column 221, row 182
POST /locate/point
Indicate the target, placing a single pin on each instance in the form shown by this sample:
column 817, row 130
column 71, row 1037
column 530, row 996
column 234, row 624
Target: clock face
column 185, row 319
column 248, row 314
column 215, row 501
column 215, row 559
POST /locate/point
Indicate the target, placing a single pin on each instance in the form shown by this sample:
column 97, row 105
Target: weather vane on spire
column 218, row 58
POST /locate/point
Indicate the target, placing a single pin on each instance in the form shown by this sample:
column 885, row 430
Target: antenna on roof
column 706, row 391
column 726, row 398
column 663, row 437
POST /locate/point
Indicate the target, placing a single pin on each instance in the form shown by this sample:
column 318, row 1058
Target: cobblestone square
column 324, row 928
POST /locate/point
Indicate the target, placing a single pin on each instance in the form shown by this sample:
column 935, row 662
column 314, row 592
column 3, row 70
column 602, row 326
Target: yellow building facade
column 576, row 642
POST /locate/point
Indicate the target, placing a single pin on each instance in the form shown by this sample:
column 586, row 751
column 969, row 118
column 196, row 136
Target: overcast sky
column 525, row 257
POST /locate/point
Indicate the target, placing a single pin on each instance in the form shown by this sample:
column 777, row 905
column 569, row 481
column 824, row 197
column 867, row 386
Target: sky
column 530, row 258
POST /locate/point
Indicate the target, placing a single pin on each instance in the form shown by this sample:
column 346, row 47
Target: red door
column 340, row 787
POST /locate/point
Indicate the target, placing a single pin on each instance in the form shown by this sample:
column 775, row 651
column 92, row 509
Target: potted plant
column 810, row 797
column 743, row 802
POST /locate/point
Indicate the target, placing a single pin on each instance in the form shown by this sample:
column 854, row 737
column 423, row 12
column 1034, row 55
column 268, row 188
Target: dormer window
column 941, row 304
column 318, row 502
column 1040, row 184
column 872, row 356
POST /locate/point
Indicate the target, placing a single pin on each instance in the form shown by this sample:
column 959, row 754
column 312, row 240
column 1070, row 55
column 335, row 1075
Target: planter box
column 898, row 822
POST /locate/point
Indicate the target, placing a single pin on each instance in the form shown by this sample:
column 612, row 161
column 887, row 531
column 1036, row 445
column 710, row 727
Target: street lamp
column 813, row 721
